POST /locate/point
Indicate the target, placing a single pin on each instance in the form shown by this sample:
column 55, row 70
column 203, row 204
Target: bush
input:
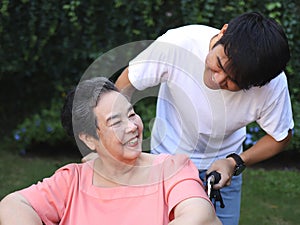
column 46, row 44
column 43, row 127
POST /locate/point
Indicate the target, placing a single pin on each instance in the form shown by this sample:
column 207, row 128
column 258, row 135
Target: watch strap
column 240, row 164
column 236, row 158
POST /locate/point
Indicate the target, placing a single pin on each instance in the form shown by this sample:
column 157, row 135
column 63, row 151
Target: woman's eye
column 115, row 123
column 132, row 115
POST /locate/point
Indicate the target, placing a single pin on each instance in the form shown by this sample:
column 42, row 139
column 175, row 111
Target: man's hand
column 265, row 148
column 226, row 168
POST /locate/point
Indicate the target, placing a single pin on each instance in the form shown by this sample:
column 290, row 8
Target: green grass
column 268, row 197
column 18, row 172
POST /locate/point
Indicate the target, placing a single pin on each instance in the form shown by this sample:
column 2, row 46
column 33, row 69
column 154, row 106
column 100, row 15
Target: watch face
column 239, row 169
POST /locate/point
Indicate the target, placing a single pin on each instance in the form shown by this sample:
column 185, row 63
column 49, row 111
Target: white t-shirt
column 193, row 119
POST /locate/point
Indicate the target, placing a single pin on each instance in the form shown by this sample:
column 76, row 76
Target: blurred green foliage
column 42, row 127
column 47, row 45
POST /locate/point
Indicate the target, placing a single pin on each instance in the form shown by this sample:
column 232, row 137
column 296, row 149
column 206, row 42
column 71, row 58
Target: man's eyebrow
column 222, row 68
column 220, row 64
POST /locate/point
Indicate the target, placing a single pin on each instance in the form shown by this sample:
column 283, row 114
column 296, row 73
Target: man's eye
column 214, row 70
column 232, row 80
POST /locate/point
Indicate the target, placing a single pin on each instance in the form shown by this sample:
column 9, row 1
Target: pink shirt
column 69, row 197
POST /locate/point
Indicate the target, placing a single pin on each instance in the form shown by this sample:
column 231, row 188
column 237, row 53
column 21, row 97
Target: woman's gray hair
column 78, row 111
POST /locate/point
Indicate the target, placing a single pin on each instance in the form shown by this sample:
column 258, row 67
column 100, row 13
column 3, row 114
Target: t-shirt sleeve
column 168, row 55
column 276, row 117
column 182, row 181
column 49, row 197
column 150, row 67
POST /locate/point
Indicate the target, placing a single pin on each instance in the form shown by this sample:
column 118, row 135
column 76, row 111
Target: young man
column 212, row 84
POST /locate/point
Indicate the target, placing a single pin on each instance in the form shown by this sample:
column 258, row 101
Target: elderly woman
column 123, row 185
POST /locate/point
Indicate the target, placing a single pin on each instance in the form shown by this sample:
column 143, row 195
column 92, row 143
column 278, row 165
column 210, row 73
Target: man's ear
column 88, row 140
column 222, row 31
column 218, row 36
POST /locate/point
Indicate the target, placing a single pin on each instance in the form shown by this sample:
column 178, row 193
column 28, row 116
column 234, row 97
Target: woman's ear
column 88, row 140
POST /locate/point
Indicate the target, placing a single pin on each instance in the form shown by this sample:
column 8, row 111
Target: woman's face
column 119, row 127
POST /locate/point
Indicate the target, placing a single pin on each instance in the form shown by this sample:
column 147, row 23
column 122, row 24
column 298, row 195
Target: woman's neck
column 119, row 174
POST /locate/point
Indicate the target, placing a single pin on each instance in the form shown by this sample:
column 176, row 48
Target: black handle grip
column 216, row 175
column 215, row 195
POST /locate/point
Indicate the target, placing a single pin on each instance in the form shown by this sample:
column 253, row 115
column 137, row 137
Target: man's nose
column 220, row 78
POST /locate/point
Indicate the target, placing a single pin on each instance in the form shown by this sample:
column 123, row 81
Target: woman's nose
column 131, row 126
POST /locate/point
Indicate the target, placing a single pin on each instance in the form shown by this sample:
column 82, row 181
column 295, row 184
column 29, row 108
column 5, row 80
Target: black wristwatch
column 240, row 164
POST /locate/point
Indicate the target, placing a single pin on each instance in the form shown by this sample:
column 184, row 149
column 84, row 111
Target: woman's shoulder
column 171, row 164
column 76, row 169
column 174, row 159
column 70, row 167
column 178, row 167
column 163, row 157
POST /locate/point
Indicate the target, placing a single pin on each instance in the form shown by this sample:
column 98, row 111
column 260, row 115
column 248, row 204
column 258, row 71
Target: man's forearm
column 124, row 85
column 265, row 148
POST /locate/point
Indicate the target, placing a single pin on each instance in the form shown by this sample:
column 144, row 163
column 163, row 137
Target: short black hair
column 257, row 49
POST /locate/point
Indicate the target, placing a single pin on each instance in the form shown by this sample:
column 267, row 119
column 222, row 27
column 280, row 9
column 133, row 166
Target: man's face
column 215, row 76
column 119, row 127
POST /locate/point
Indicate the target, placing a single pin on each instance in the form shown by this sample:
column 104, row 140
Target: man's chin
column 211, row 85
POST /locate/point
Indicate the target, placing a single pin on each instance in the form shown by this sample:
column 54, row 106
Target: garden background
column 45, row 47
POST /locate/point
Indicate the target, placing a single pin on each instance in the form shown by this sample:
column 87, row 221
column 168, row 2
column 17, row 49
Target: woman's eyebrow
column 118, row 115
column 112, row 117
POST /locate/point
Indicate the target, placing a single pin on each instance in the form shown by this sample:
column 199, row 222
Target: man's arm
column 124, row 85
column 265, row 148
column 15, row 209
column 195, row 211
